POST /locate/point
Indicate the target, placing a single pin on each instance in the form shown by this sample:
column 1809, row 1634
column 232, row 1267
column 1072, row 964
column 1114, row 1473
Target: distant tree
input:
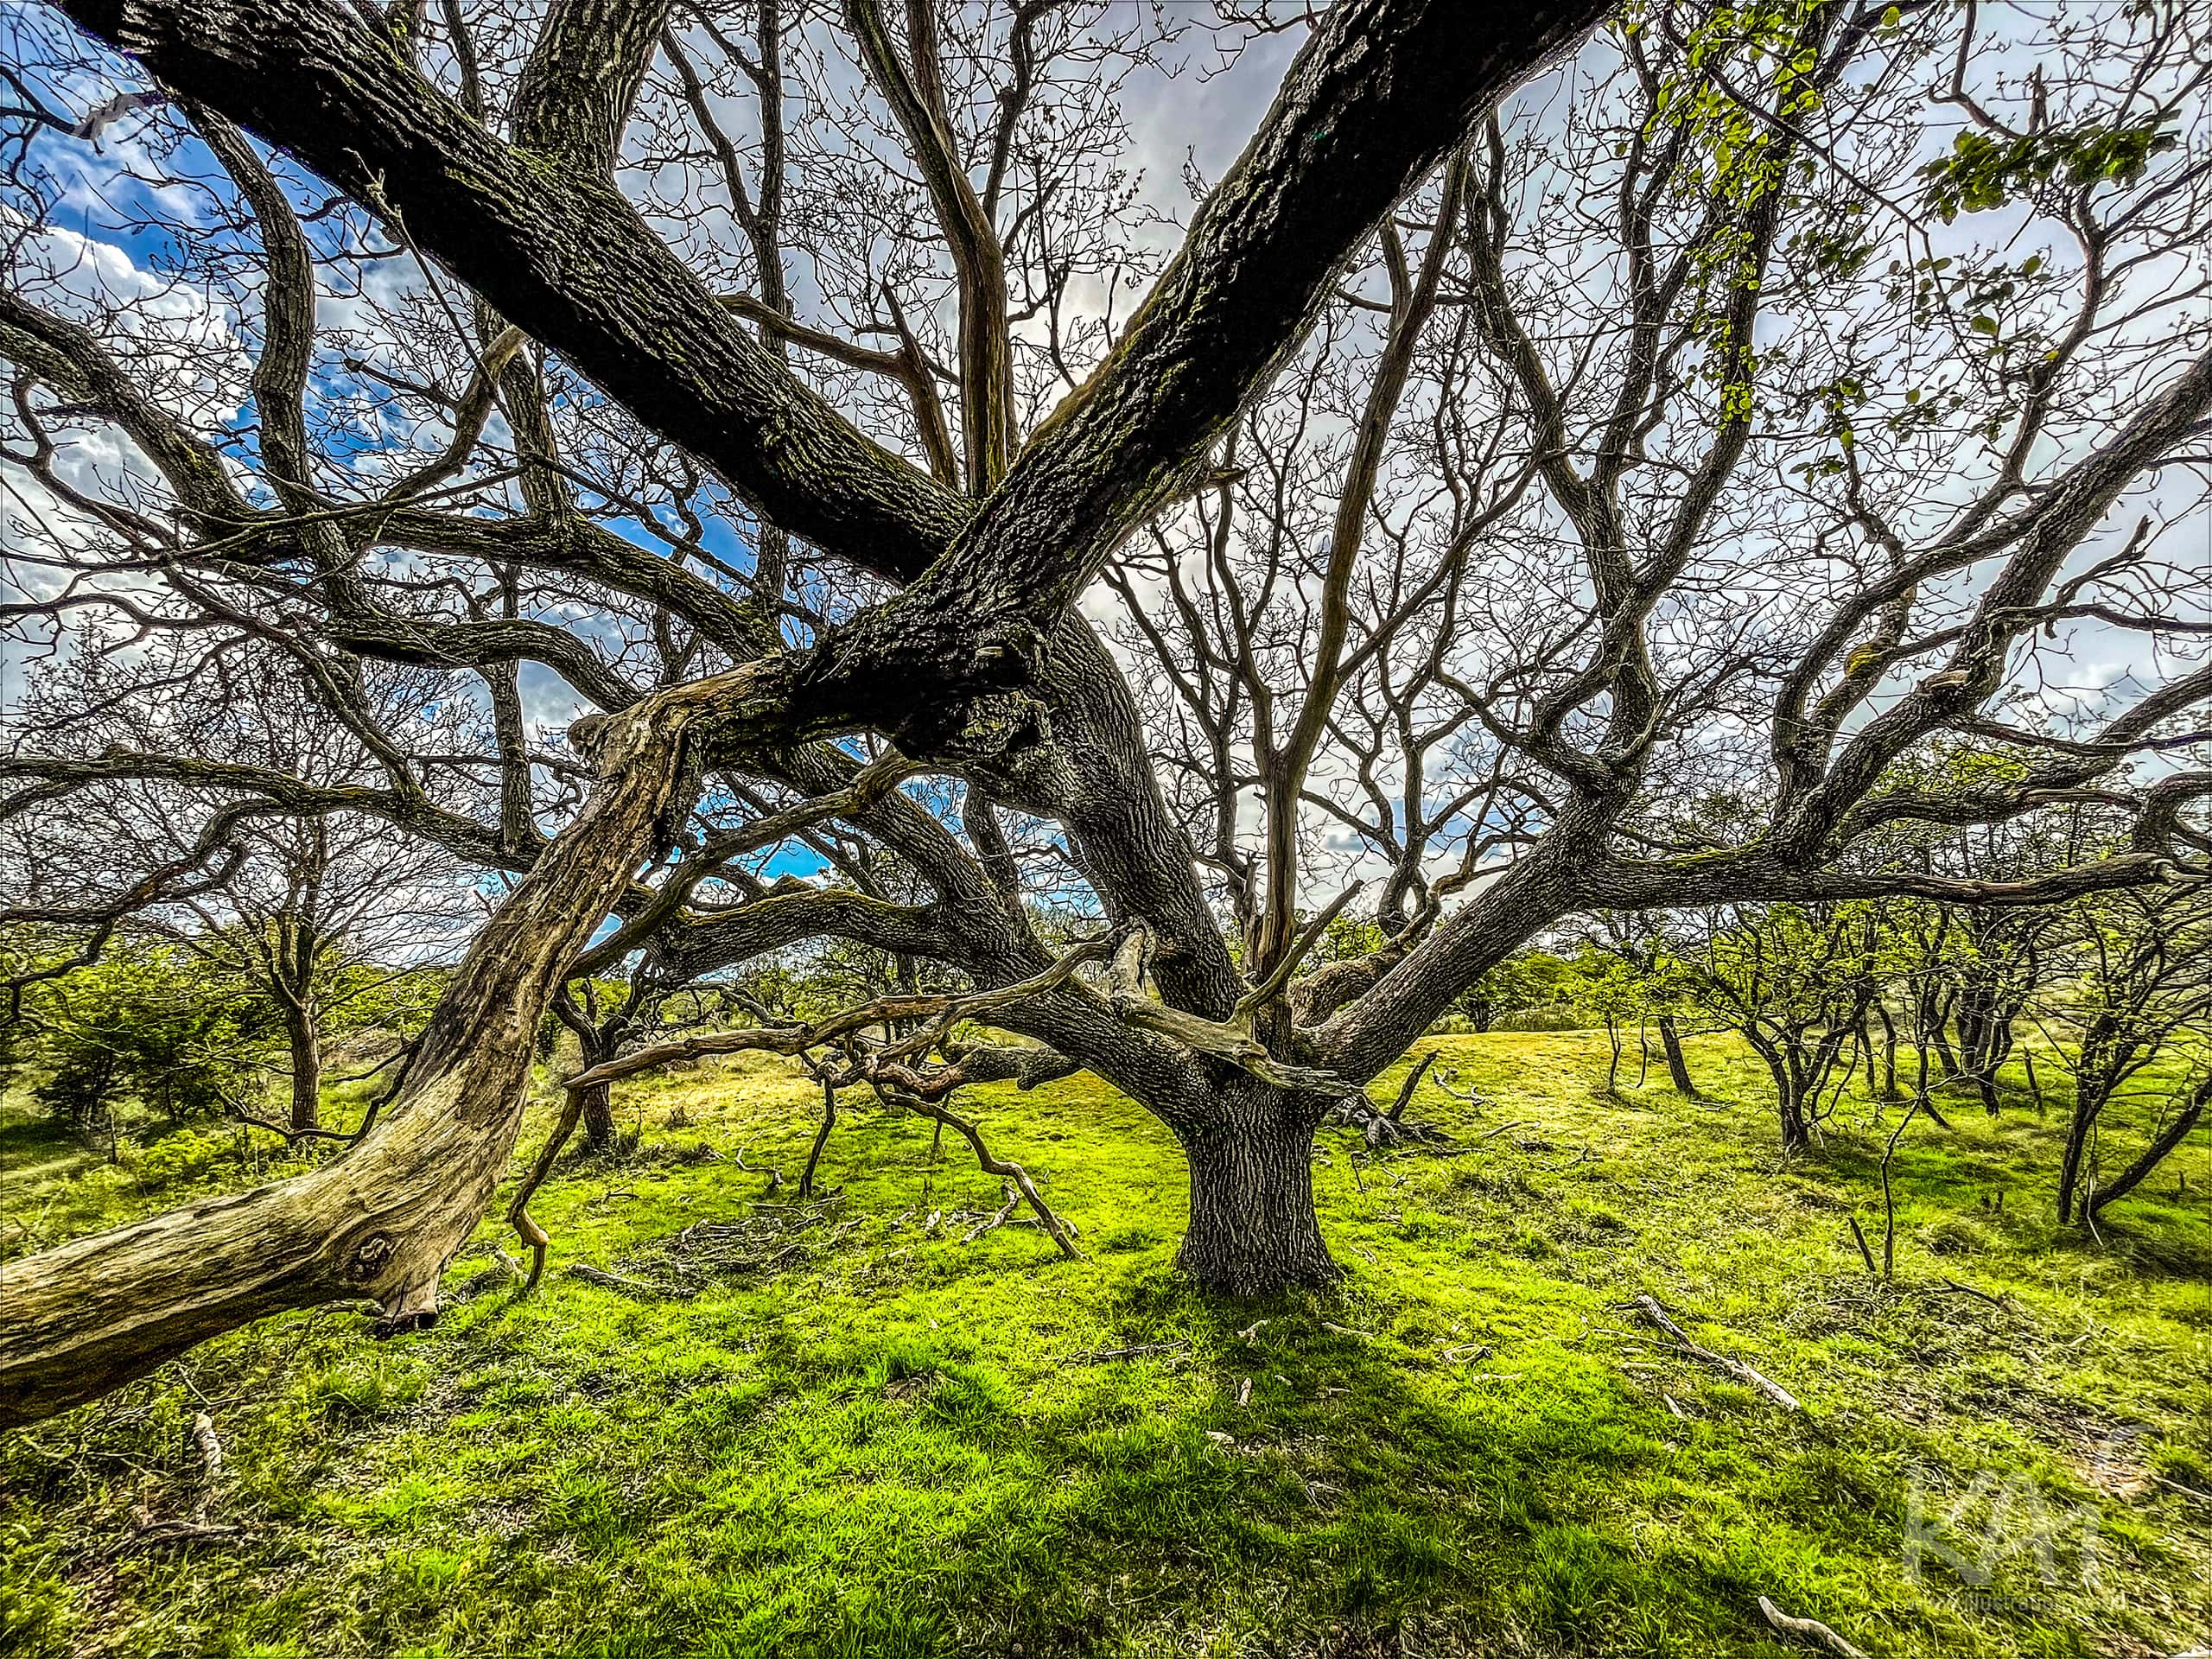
column 1797, row 982
column 146, row 1025
column 309, row 914
column 1528, row 979
column 2142, row 997
column 1662, row 981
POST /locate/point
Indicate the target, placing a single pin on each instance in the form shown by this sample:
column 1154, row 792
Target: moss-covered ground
column 864, row 1433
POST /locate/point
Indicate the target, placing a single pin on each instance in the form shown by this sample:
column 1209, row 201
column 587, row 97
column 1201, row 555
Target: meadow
column 872, row 1424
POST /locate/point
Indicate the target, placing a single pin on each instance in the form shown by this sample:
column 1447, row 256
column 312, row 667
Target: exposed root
column 420, row 1313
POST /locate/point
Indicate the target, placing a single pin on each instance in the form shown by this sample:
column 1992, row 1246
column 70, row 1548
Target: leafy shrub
column 184, row 1155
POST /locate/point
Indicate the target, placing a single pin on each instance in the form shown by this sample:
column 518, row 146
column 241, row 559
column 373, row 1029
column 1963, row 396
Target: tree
column 2144, row 994
column 1798, row 983
column 309, row 915
column 1533, row 978
column 144, row 1024
column 1500, row 568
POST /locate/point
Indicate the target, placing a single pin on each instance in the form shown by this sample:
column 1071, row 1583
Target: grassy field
column 856, row 1430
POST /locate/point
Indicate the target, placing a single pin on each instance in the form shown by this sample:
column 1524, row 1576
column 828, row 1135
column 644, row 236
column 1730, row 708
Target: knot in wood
column 370, row 1256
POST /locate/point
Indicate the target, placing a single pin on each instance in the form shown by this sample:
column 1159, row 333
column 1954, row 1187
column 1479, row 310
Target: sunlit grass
column 895, row 1444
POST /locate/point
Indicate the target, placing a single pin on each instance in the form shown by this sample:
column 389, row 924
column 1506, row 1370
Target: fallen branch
column 1413, row 1082
column 1136, row 1351
column 996, row 1218
column 1808, row 1630
column 1005, row 1168
column 600, row 1276
column 1968, row 1290
column 197, row 1529
column 1379, row 1129
column 1650, row 1308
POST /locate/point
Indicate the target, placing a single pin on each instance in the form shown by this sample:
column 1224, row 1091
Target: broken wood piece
column 1135, row 1351
column 600, row 1276
column 1650, row 1308
column 1808, row 1630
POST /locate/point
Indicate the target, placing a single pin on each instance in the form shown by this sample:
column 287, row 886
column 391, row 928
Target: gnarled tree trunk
column 1253, row 1229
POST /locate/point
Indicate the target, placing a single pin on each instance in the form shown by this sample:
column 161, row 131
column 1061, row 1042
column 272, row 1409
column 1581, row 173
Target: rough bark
column 1253, row 1230
column 1678, row 1066
column 302, row 1039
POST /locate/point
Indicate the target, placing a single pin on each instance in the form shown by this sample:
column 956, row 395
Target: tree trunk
column 2088, row 1104
column 1678, row 1066
column 1253, row 1230
column 381, row 1221
column 300, row 1034
column 595, row 1102
column 1890, row 1090
column 2172, row 1135
column 1789, row 1109
column 599, row 1117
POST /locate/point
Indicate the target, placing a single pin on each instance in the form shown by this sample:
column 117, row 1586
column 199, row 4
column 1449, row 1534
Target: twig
column 1651, row 1310
column 600, row 1276
column 1136, row 1351
column 1809, row 1630
column 1867, row 1256
column 996, row 1218
column 1968, row 1290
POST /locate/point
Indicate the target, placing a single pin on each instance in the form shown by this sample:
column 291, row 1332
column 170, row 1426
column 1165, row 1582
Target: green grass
column 884, row 1442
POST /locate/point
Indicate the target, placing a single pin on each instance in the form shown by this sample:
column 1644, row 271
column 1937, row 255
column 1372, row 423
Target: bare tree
column 309, row 913
column 1607, row 468
column 2143, row 997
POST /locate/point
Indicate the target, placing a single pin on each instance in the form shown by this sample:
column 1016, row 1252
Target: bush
column 146, row 1025
column 175, row 1158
